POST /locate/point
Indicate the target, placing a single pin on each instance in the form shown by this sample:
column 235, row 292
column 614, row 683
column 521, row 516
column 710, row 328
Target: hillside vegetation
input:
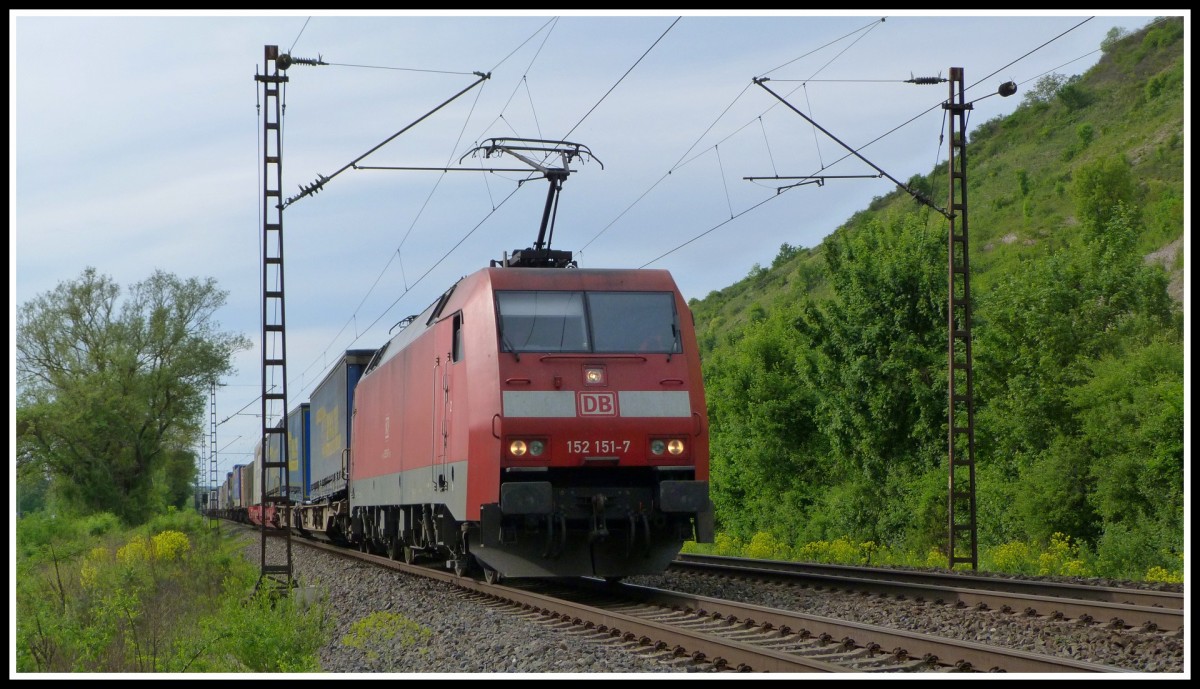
column 826, row 371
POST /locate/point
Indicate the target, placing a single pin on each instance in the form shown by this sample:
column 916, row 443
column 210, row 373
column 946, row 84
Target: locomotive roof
column 580, row 278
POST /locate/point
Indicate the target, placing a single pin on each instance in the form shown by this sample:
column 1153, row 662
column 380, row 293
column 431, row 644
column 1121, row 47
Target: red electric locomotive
column 537, row 420
column 540, row 422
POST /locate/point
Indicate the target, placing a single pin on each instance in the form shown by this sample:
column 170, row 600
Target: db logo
column 597, row 404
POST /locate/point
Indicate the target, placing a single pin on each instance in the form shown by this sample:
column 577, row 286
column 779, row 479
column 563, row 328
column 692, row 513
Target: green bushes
column 1015, row 558
column 262, row 634
column 94, row 598
column 839, row 551
column 1086, row 133
column 1124, row 550
column 1159, row 574
column 100, row 524
column 764, row 546
column 1060, row 557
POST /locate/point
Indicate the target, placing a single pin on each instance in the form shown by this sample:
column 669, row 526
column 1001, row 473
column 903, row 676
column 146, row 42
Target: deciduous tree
column 111, row 390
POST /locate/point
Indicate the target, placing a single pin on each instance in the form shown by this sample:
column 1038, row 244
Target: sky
column 136, row 145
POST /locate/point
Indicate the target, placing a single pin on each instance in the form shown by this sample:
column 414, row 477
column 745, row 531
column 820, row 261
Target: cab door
column 448, row 352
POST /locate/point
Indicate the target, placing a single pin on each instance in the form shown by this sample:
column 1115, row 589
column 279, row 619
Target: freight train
column 238, row 497
column 536, row 420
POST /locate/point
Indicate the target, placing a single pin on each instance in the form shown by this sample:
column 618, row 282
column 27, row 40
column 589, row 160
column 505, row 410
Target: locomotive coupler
column 599, row 530
column 555, row 541
column 636, row 518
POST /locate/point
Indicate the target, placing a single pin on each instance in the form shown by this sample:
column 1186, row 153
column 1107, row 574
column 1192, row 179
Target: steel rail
column 1148, row 609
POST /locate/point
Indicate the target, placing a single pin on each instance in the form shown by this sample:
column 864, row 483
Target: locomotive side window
column 377, row 359
column 542, row 322
column 441, row 304
column 634, row 322
column 458, row 338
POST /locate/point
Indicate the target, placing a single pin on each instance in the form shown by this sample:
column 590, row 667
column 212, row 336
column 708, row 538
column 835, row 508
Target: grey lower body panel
column 445, row 484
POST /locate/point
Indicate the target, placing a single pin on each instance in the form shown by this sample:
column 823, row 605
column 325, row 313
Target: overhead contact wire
column 876, row 139
column 614, row 86
column 396, row 254
column 684, row 160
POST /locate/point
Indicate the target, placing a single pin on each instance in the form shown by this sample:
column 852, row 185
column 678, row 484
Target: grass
column 172, row 596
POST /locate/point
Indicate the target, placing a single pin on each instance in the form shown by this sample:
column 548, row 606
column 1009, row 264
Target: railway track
column 1113, row 607
column 756, row 638
column 721, row 635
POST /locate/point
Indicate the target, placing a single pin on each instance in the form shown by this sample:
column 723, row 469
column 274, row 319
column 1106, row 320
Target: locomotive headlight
column 675, row 447
column 517, row 448
column 593, row 375
column 657, row 446
column 536, row 448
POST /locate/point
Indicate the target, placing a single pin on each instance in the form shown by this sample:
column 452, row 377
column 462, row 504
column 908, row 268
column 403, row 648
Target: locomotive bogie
column 422, row 529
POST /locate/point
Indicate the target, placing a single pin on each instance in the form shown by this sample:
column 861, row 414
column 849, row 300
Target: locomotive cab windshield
column 588, row 322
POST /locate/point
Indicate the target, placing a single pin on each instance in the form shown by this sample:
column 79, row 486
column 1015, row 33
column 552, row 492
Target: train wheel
column 460, row 566
column 394, row 549
column 491, row 576
column 410, row 555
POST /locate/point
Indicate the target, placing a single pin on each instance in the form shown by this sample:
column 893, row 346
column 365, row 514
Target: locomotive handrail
column 606, row 357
